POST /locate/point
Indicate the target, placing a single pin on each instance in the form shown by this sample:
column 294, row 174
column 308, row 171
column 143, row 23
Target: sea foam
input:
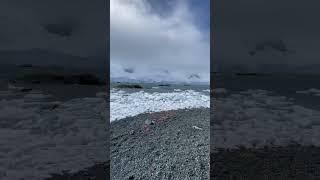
column 124, row 104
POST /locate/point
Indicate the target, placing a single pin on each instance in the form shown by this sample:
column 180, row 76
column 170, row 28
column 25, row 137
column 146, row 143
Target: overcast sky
column 41, row 24
column 160, row 40
column 241, row 25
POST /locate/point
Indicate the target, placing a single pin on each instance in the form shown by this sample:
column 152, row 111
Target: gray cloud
column 157, row 47
column 77, row 27
column 241, row 25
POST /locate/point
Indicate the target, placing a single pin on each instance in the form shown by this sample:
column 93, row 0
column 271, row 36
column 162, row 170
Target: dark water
column 157, row 87
column 279, row 85
column 60, row 92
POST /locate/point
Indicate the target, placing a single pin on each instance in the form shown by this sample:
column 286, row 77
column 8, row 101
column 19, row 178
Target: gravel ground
column 294, row 162
column 163, row 145
column 96, row 172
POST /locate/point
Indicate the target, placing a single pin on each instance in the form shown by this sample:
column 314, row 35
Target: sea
column 156, row 97
column 258, row 111
column 303, row 89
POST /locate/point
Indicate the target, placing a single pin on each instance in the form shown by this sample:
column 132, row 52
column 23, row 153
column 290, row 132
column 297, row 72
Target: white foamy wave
column 255, row 118
column 123, row 104
column 39, row 137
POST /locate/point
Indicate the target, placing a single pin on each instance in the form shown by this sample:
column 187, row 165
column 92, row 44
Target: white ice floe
column 123, row 104
column 256, row 118
column 39, row 137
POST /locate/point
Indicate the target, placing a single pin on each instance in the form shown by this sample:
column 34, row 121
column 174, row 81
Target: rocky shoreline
column 163, row 145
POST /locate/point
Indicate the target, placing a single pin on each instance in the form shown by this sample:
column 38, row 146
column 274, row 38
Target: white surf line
column 123, row 104
column 254, row 118
column 39, row 138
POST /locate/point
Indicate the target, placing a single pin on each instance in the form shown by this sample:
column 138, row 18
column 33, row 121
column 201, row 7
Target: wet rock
column 167, row 85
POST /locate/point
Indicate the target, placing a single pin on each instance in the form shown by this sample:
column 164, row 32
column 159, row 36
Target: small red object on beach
column 146, row 128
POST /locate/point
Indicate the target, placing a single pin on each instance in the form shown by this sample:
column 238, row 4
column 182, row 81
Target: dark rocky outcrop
column 167, row 85
column 129, row 86
column 84, row 79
